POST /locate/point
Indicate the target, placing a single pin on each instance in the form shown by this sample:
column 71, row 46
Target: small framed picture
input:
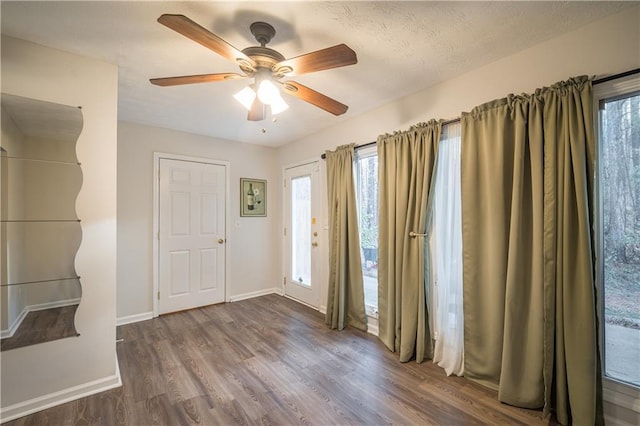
column 253, row 197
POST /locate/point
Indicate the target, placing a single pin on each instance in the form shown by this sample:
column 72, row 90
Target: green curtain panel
column 502, row 197
column 569, row 269
column 345, row 301
column 405, row 168
column 529, row 295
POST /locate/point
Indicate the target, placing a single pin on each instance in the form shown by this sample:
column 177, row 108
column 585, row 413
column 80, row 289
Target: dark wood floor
column 43, row 326
column 270, row 360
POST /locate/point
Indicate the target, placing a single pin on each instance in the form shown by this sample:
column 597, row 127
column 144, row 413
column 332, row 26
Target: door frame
column 157, row 156
column 322, row 257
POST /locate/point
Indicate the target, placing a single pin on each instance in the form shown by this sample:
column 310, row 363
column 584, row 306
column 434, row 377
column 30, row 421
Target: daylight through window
column 619, row 192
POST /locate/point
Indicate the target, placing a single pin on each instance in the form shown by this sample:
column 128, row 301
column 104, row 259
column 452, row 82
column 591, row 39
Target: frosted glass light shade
column 278, row 105
column 267, row 92
column 246, row 97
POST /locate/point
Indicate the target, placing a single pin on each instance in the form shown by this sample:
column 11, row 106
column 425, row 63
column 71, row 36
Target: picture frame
column 253, row 197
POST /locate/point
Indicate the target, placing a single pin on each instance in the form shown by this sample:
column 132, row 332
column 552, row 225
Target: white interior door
column 192, row 201
column 302, row 229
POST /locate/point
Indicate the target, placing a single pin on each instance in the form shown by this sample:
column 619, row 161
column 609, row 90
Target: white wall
column 35, row 377
column 608, row 46
column 251, row 243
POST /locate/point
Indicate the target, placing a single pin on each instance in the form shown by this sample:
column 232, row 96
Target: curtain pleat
column 529, row 296
column 569, row 256
column 345, row 300
column 405, row 167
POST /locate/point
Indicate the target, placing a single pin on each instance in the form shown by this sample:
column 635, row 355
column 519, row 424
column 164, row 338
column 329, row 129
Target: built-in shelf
column 38, row 220
column 41, row 281
column 41, row 233
column 69, row 163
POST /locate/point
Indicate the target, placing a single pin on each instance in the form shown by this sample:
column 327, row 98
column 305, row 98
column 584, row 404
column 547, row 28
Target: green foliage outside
column 368, row 230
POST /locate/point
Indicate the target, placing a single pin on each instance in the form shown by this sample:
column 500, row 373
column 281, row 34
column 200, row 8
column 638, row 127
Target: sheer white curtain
column 445, row 242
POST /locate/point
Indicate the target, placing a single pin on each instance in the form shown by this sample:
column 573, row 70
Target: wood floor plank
column 272, row 361
column 43, row 326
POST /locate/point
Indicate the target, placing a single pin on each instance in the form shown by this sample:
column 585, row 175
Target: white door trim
column 323, row 227
column 157, row 156
column 283, row 217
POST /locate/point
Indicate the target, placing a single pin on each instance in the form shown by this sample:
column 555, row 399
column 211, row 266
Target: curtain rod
column 364, row 145
column 457, row 120
column 616, row 76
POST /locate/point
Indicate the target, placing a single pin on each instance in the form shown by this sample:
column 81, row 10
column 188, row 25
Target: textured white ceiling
column 402, row 47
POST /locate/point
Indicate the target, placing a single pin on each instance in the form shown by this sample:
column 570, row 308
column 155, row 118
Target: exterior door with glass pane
column 302, row 231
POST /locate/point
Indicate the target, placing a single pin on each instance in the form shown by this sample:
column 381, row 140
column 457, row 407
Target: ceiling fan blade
column 190, row 79
column 195, row 32
column 257, row 111
column 332, row 57
column 314, row 98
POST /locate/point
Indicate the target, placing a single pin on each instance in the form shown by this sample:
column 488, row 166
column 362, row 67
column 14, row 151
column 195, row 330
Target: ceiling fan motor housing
column 263, row 32
column 263, row 56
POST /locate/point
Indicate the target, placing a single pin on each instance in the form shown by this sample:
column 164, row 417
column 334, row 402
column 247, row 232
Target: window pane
column 620, row 198
column 301, row 230
column 367, row 193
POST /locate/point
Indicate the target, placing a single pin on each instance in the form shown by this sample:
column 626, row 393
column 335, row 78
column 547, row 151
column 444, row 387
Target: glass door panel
column 301, row 230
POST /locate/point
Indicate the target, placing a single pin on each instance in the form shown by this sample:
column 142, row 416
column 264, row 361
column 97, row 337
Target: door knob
column 314, row 244
column 221, row 240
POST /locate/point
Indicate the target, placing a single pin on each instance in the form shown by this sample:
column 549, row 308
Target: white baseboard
column 52, row 305
column 253, row 294
column 40, row 403
column 32, row 308
column 302, row 302
column 129, row 319
column 11, row 330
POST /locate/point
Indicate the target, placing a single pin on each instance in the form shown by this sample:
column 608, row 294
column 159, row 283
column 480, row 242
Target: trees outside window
column 619, row 192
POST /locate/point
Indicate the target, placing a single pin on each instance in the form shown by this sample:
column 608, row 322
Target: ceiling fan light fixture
column 278, row 105
column 268, row 92
column 246, row 97
column 265, row 65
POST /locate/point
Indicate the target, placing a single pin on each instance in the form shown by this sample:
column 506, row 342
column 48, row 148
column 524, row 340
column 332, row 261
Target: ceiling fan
column 265, row 65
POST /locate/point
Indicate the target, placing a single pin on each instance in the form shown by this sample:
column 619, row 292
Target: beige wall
column 608, row 46
column 49, row 373
column 38, row 251
column 605, row 47
column 253, row 261
column 12, row 298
